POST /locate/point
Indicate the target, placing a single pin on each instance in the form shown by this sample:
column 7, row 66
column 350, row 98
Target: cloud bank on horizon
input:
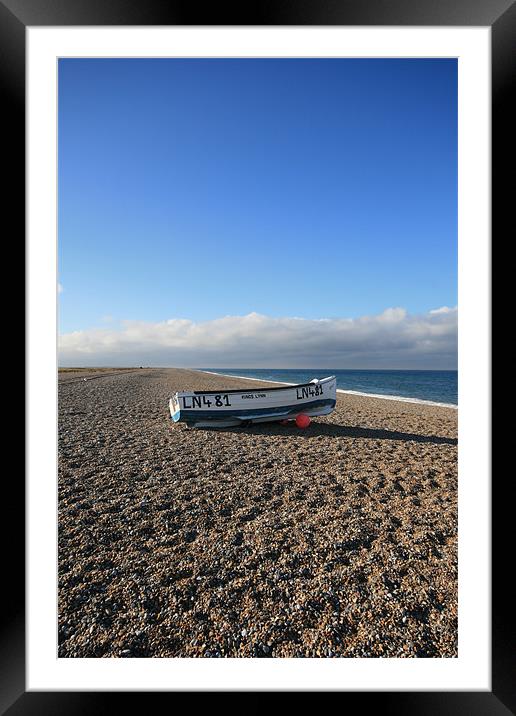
column 392, row 339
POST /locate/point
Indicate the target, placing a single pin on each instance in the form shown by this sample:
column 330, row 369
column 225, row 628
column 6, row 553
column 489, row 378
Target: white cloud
column 443, row 309
column 392, row 339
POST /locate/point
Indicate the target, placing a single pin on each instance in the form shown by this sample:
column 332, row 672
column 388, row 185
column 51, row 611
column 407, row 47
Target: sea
column 435, row 386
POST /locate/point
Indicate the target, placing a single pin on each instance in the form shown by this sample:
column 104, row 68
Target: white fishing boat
column 227, row 408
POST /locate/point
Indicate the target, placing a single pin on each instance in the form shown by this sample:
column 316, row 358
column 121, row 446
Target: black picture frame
column 15, row 16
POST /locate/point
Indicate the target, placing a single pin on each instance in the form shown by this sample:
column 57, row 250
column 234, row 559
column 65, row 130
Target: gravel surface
column 336, row 541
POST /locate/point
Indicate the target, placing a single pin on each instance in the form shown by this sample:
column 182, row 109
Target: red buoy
column 303, row 421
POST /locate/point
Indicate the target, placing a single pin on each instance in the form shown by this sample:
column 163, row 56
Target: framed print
column 258, row 250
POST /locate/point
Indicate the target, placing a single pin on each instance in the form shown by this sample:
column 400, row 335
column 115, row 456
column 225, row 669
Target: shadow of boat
column 333, row 430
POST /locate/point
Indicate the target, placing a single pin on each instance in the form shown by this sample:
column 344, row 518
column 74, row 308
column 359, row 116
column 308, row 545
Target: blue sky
column 198, row 189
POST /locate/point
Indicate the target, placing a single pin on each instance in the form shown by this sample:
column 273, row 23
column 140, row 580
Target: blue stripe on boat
column 250, row 414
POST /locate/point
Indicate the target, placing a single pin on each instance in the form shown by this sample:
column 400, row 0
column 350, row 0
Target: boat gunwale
column 251, row 390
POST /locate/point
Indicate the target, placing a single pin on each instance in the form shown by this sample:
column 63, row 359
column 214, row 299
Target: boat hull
column 229, row 408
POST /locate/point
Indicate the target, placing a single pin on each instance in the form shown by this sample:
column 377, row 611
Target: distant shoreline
column 397, row 398
column 380, row 396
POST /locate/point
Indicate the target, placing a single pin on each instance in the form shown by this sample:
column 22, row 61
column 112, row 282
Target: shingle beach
column 335, row 541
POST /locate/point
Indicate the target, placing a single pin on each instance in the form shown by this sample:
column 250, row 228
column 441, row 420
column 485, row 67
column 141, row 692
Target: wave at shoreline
column 398, row 398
